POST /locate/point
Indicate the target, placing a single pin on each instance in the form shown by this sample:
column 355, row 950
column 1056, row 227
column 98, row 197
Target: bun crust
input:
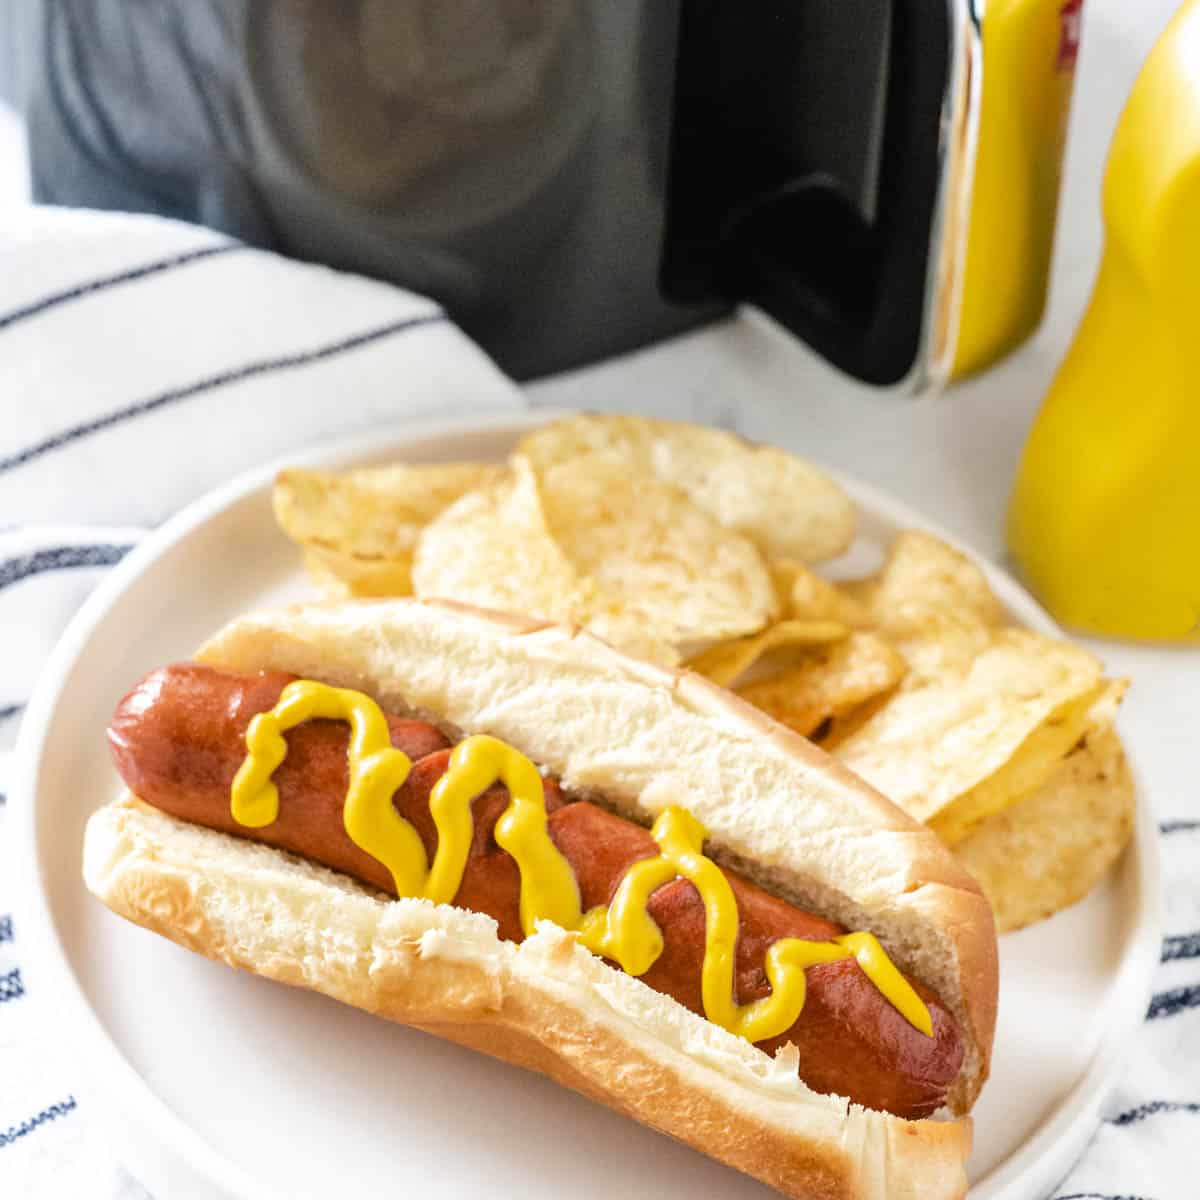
column 545, row 1004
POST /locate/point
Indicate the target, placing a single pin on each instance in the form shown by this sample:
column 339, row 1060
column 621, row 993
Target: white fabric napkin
column 142, row 362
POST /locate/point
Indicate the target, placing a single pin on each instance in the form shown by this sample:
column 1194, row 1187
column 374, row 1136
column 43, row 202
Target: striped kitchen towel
column 1148, row 1144
column 142, row 362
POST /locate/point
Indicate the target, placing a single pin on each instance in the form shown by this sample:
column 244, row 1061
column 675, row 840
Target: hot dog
column 672, row 891
column 178, row 739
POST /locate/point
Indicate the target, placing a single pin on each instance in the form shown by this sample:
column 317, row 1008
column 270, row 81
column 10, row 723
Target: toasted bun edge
column 545, row 1005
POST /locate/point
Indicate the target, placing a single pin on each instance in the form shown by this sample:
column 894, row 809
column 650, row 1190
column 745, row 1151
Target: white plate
column 214, row 1083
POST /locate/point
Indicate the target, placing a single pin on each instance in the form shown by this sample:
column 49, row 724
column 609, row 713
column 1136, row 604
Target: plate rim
column 1042, row 1158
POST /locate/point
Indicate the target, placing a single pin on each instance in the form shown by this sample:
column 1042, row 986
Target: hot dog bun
column 640, row 737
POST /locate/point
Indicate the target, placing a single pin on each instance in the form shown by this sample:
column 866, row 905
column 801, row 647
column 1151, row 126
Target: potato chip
column 1034, row 761
column 944, row 649
column 1103, row 713
column 784, row 504
column 840, row 727
column 861, row 591
column 1050, row 848
column 806, row 596
column 942, row 736
column 925, row 584
column 330, row 585
column 492, row 547
column 726, row 662
column 344, row 576
column 633, row 561
column 372, row 512
column 829, row 682
column 652, row 556
column 362, row 525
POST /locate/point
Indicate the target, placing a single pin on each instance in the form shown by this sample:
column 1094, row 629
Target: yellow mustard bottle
column 1029, row 52
column 1105, row 516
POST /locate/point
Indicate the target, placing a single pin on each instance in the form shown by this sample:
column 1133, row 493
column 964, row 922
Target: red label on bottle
column 1070, row 21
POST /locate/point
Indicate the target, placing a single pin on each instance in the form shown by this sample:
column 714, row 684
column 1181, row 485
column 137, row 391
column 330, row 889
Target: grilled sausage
column 178, row 739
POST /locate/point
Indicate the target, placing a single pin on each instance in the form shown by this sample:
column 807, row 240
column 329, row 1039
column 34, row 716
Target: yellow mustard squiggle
column 376, row 770
column 623, row 931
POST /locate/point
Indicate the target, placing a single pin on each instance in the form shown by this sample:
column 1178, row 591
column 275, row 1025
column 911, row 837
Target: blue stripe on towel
column 59, row 558
column 233, row 375
column 1179, row 826
column 1172, row 1002
column 1153, row 1108
column 1181, row 945
column 6, row 929
column 54, row 299
column 16, row 1132
column 11, row 986
column 1103, row 1196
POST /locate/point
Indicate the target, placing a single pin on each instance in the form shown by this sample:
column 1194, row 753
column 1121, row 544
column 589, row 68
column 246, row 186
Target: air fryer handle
column 805, row 167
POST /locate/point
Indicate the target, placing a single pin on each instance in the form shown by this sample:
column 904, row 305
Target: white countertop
column 952, row 455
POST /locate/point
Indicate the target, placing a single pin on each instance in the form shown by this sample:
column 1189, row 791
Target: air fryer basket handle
column 805, row 166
